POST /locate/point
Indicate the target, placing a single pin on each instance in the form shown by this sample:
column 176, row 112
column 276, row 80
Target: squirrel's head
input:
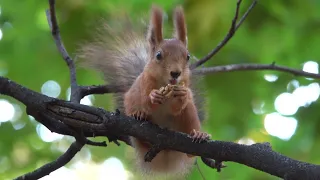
column 168, row 57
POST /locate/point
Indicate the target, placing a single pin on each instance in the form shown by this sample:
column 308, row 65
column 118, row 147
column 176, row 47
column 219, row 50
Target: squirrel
column 155, row 74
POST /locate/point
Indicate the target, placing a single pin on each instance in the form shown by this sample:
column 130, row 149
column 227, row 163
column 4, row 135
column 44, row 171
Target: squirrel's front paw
column 156, row 97
column 140, row 115
column 198, row 136
column 180, row 92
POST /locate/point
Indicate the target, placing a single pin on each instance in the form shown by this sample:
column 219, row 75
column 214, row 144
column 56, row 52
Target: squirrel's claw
column 156, row 97
column 180, row 91
column 140, row 115
column 199, row 137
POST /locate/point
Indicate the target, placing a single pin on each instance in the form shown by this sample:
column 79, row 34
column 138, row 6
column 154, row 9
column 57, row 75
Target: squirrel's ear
column 155, row 27
column 180, row 25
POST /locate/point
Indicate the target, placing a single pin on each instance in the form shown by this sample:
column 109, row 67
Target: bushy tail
column 198, row 89
column 121, row 54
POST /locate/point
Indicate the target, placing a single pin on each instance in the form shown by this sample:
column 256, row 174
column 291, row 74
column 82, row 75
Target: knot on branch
column 75, row 115
column 215, row 164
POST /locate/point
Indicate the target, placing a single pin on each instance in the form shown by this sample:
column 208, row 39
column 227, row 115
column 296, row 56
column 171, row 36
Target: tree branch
column 52, row 166
column 80, row 121
column 98, row 121
column 52, row 21
column 103, row 89
column 213, row 164
column 75, row 97
column 253, row 67
column 234, row 27
column 37, row 103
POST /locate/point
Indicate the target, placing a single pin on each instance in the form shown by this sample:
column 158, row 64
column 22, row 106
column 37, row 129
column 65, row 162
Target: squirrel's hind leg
column 191, row 124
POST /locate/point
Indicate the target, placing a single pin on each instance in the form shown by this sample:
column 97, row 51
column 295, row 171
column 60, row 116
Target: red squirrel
column 146, row 66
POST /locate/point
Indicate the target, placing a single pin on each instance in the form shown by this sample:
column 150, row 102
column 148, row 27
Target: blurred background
column 244, row 107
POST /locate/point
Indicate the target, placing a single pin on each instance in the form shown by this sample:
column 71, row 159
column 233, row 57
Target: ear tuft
column 180, row 25
column 155, row 27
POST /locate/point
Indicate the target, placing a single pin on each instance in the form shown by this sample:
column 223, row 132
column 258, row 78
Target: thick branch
column 234, row 27
column 98, row 121
column 254, row 67
column 37, row 103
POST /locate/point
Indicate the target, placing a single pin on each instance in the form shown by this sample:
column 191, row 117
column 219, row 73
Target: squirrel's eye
column 158, row 55
column 188, row 57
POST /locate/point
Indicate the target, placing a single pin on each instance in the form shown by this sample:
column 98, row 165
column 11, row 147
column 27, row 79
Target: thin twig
column 93, row 143
column 243, row 18
column 54, row 165
column 101, row 89
column 198, row 167
column 234, row 27
column 52, row 21
column 254, row 67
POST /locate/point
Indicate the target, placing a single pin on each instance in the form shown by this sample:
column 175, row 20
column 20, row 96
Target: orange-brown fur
column 127, row 59
column 178, row 113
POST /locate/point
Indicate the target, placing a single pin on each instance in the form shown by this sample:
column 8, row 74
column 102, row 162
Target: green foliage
column 237, row 102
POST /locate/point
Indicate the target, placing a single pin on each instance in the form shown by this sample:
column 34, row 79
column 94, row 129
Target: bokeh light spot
column 1, row 34
column 114, row 169
column 286, row 104
column 61, row 173
column 311, row 67
column 270, row 77
column 257, row 106
column 305, row 95
column 246, row 141
column 292, row 85
column 87, row 100
column 7, row 110
column 46, row 135
column 280, row 126
column 51, row 88
column 21, row 154
column 68, row 93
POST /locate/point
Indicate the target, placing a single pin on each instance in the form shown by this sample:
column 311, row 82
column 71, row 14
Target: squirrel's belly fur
column 172, row 114
column 166, row 161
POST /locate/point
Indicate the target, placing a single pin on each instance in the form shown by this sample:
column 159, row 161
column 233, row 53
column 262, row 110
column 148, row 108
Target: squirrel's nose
column 176, row 74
